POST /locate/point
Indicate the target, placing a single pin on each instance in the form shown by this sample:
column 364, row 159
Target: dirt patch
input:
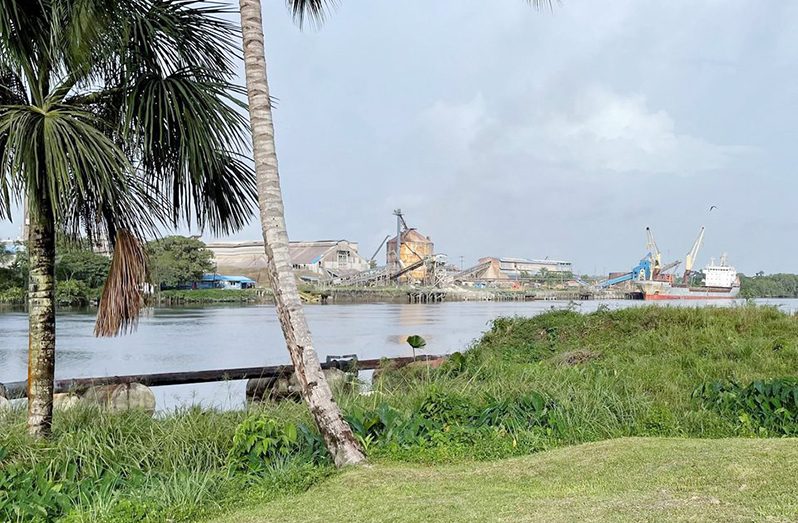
column 577, row 357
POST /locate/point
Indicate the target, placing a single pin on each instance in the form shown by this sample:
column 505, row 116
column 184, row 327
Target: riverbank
column 529, row 385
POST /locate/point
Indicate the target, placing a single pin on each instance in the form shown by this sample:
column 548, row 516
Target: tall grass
column 129, row 467
column 629, row 372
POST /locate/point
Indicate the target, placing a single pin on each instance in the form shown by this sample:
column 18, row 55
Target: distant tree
column 177, row 260
column 6, row 256
column 84, row 265
column 770, row 286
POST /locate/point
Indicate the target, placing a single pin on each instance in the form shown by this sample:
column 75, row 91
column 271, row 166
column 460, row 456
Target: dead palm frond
column 122, row 297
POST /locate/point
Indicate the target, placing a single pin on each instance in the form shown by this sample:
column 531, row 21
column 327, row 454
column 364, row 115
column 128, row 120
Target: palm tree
column 337, row 434
column 116, row 116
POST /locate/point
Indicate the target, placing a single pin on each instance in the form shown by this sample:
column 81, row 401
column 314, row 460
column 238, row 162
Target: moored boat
column 720, row 282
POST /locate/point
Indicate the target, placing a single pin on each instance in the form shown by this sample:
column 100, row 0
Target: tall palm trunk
column 41, row 330
column 337, row 435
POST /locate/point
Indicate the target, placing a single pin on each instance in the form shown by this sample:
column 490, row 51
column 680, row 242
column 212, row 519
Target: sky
column 503, row 131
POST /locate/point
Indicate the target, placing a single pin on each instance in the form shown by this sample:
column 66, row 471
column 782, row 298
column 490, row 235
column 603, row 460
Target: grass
column 630, row 479
column 609, row 374
column 130, row 467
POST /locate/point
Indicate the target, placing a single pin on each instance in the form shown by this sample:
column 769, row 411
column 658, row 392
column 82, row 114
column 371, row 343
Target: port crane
column 656, row 255
column 642, row 271
column 689, row 260
column 649, row 268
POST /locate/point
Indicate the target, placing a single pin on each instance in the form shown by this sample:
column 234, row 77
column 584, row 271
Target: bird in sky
column 713, row 207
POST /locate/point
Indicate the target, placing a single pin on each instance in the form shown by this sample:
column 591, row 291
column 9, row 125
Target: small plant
column 416, row 342
column 518, row 413
column 260, row 441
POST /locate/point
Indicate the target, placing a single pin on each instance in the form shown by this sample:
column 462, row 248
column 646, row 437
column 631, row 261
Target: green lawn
column 629, row 479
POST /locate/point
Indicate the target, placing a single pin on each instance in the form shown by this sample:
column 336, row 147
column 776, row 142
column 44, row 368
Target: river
column 212, row 337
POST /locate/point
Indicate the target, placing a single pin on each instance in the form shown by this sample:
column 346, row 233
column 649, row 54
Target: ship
column 720, row 282
column 651, row 280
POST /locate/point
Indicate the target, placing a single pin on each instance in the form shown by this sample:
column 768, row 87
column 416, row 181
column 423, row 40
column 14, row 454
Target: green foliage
column 517, row 390
column 178, row 260
column 86, row 132
column 28, row 494
column 259, row 441
column 174, row 296
column 444, row 422
column 83, row 265
column 512, row 393
column 769, row 405
column 75, row 293
column 13, row 296
column 128, row 467
column 771, row 286
column 416, row 341
column 13, row 269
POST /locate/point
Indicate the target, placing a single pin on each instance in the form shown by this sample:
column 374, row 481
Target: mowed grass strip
column 629, row 479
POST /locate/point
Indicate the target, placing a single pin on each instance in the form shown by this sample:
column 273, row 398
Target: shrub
column 73, row 293
column 260, row 441
column 769, row 405
column 13, row 295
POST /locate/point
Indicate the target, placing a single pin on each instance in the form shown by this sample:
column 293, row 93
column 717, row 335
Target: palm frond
column 12, row 92
column 130, row 205
column 314, row 11
column 188, row 135
column 163, row 36
column 543, row 4
column 122, row 297
column 58, row 152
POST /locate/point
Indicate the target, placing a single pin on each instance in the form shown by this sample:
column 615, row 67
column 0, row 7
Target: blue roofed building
column 220, row 281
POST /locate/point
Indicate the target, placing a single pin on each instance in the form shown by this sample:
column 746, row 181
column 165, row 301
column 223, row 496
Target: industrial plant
column 410, row 259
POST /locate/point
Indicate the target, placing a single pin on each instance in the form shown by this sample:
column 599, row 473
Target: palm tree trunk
column 41, row 314
column 337, row 435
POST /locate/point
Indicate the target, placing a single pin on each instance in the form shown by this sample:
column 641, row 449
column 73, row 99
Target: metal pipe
column 17, row 389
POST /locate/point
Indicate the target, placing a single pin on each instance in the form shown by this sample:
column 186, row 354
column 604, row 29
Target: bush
column 74, row 293
column 260, row 442
column 13, row 296
column 763, row 405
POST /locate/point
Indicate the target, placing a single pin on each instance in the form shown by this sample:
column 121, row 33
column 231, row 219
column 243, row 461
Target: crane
column 642, row 271
column 656, row 255
column 689, row 260
column 373, row 256
column 669, row 266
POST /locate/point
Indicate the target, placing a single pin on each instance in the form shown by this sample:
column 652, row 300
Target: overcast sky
column 502, row 131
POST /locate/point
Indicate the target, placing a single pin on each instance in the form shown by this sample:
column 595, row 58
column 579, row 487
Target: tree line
column 779, row 285
column 80, row 271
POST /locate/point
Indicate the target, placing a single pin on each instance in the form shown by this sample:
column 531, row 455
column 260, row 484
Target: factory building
column 312, row 260
column 415, row 247
column 511, row 269
column 518, row 267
